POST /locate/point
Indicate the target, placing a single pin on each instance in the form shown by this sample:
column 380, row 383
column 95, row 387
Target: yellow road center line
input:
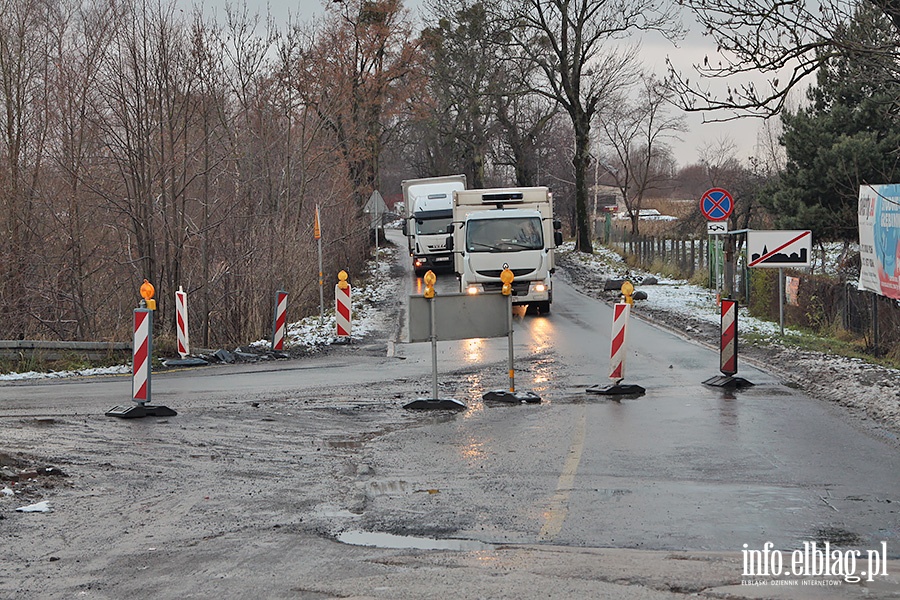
column 559, row 504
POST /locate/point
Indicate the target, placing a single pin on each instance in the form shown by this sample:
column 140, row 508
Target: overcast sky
column 743, row 133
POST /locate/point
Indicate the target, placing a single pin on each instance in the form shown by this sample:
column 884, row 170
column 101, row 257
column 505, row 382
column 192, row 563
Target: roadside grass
column 838, row 343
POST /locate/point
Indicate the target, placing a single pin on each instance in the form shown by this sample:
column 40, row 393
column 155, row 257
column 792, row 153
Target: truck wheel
column 544, row 308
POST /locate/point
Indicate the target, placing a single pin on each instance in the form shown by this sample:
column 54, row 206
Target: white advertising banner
column 879, row 239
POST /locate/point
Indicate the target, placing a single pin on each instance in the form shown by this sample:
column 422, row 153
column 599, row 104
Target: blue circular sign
column 716, row 204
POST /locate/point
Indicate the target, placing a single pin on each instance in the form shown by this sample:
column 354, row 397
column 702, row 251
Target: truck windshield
column 433, row 226
column 504, row 235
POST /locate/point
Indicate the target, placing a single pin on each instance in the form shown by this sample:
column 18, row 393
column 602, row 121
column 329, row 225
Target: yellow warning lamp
column 342, row 280
column 429, row 279
column 147, row 291
column 627, row 291
column 506, row 276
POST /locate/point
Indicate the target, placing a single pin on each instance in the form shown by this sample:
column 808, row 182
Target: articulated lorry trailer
column 429, row 205
column 513, row 228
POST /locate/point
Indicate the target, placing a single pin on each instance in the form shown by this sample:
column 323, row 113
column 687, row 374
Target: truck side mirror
column 405, row 228
column 450, row 243
column 557, row 238
column 557, row 224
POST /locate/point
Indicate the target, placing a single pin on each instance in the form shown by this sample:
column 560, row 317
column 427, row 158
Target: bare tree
column 23, row 131
column 635, row 132
column 570, row 42
column 83, row 286
column 354, row 78
column 784, row 42
column 466, row 77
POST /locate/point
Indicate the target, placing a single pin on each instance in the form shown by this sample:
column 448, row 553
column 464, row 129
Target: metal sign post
column 376, row 206
column 717, row 205
column 317, row 234
column 781, row 300
column 506, row 276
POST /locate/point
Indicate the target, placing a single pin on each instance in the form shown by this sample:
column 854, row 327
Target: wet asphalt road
column 684, row 466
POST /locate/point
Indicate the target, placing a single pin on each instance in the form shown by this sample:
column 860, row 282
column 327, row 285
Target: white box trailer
column 500, row 228
column 429, row 205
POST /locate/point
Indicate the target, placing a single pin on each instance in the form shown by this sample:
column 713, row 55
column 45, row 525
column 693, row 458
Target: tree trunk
column 581, row 161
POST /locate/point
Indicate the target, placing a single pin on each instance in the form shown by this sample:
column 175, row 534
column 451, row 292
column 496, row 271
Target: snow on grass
column 115, row 370
column 667, row 295
column 308, row 333
column 311, row 332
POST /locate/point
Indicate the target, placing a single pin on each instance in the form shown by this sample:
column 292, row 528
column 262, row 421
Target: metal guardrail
column 55, row 350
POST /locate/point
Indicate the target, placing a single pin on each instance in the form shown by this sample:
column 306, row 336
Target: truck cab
column 429, row 202
column 510, row 228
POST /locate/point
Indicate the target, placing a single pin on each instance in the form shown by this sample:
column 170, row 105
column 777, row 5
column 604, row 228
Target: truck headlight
column 472, row 290
column 540, row 287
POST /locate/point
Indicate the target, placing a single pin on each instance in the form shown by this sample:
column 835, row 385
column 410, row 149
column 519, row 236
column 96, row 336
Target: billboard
column 879, row 239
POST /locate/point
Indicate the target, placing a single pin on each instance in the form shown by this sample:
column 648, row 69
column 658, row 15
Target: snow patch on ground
column 115, row 370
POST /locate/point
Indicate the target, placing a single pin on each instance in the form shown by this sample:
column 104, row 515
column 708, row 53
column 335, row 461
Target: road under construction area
column 308, row 478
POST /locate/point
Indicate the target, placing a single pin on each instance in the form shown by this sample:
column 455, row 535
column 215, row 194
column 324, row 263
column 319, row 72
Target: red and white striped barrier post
column 728, row 348
column 280, row 326
column 142, row 351
column 181, row 322
column 343, row 313
column 141, row 367
column 618, row 349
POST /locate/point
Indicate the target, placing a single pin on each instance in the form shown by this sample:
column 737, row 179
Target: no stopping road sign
column 716, row 204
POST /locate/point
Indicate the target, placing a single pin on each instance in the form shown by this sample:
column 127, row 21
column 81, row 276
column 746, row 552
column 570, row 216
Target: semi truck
column 429, row 205
column 495, row 229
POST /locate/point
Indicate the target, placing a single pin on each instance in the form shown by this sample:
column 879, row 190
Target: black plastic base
column 619, row 389
column 185, row 362
column 136, row 411
column 728, row 382
column 435, row 404
column 511, row 397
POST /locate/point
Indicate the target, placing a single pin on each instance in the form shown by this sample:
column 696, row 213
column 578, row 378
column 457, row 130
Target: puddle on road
column 402, row 542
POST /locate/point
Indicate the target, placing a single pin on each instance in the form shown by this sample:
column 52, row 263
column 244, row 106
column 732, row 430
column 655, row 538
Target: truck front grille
column 496, row 272
column 520, row 288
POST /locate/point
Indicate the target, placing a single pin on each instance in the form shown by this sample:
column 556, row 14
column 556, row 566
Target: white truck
column 429, row 205
column 506, row 227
